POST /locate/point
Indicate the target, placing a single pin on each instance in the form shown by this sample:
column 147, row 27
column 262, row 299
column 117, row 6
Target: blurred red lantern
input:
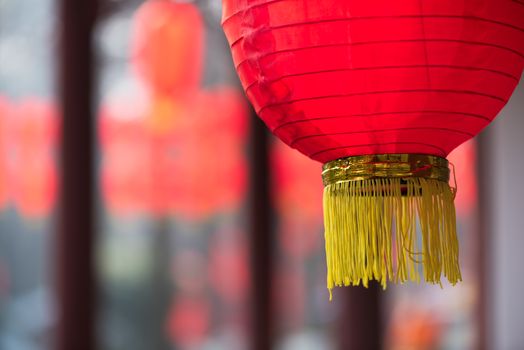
column 184, row 166
column 4, row 111
column 164, row 127
column 210, row 166
column 125, row 165
column 33, row 138
column 289, row 295
column 165, row 160
column 135, row 144
column 416, row 329
column 298, row 196
column 168, row 45
column 380, row 91
column 229, row 267
column 189, row 321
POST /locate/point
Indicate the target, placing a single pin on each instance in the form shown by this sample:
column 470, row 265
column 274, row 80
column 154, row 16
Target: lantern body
column 228, row 273
column 168, row 45
column 175, row 127
column 298, row 199
column 215, row 124
column 124, row 175
column 34, row 131
column 341, row 78
column 189, row 320
column 4, row 111
column 175, row 145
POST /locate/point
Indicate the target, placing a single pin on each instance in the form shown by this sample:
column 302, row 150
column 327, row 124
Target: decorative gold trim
column 375, row 166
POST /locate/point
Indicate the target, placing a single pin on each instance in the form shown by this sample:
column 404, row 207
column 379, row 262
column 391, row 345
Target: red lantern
column 228, row 266
column 189, row 321
column 168, row 45
column 174, row 145
column 124, row 173
column 4, row 111
column 34, row 132
column 298, row 197
column 416, row 329
column 380, row 91
column 204, row 182
column 139, row 181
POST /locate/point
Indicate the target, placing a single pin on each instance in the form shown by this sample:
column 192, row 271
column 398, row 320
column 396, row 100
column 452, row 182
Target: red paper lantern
column 34, row 131
column 298, row 195
column 189, row 321
column 4, row 111
column 206, row 182
column 174, row 147
column 380, row 91
column 140, row 181
column 416, row 329
column 125, row 177
column 228, row 266
column 168, row 45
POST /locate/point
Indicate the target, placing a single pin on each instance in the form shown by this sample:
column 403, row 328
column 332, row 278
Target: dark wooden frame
column 75, row 238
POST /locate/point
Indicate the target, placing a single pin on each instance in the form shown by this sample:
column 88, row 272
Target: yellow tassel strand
column 390, row 229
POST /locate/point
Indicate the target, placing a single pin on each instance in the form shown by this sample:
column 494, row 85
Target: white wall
column 506, row 137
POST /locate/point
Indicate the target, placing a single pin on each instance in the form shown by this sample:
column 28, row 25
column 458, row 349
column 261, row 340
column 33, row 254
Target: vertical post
column 75, row 230
column 261, row 237
column 361, row 319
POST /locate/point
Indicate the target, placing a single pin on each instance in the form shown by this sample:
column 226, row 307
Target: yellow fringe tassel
column 371, row 232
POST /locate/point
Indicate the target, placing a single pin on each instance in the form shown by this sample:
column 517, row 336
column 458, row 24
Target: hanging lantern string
column 454, row 188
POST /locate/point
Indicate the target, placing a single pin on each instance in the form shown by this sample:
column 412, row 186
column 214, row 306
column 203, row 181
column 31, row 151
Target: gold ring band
column 374, row 166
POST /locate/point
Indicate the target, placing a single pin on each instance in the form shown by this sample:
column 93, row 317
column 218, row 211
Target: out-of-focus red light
column 168, row 45
column 4, row 111
column 210, row 167
column 180, row 157
column 416, row 329
column 33, row 144
column 189, row 320
column 124, row 169
column 229, row 267
column 298, row 194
